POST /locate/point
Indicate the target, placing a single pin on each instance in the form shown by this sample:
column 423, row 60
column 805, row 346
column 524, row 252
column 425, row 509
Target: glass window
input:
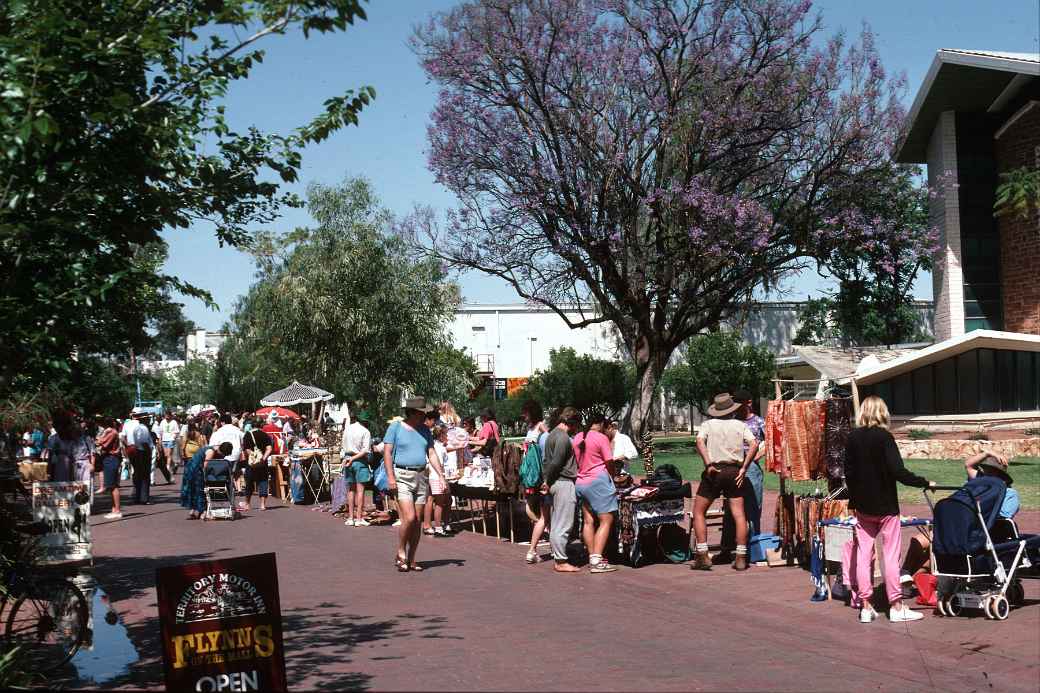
column 1027, row 378
column 924, row 391
column 968, row 382
column 946, row 387
column 989, row 388
column 902, row 394
column 1006, row 376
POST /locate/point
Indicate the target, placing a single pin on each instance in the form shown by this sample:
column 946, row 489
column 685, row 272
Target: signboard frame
column 54, row 504
column 221, row 625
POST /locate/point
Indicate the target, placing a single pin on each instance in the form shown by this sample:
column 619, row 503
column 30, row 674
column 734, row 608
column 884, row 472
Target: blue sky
column 297, row 75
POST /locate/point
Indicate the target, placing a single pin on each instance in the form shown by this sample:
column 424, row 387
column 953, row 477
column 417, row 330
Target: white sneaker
column 396, row 524
column 904, row 614
column 867, row 614
column 362, row 523
column 905, row 578
column 349, row 523
column 113, row 516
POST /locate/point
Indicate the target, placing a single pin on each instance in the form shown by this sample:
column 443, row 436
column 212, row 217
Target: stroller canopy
column 957, row 529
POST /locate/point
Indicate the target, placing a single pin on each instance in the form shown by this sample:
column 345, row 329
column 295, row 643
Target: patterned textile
column 809, row 512
column 803, row 439
column 192, row 495
column 784, row 518
column 774, row 437
column 835, row 434
column 651, row 513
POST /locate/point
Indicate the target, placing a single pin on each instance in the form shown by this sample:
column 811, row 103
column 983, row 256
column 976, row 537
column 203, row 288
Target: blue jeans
column 752, row 508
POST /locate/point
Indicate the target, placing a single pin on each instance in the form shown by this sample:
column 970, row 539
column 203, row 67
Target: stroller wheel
column 986, row 606
column 999, row 607
column 953, row 606
column 940, row 606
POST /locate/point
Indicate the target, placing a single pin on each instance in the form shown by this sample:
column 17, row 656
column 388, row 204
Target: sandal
column 531, row 557
column 401, row 563
column 415, row 568
column 429, row 532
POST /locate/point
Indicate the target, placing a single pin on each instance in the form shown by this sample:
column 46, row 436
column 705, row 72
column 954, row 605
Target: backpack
column 531, row 467
column 666, row 476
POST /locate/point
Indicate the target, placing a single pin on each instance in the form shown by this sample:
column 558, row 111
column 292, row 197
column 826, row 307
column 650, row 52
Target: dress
column 192, row 495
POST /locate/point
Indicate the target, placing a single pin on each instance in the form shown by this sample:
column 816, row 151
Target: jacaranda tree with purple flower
column 658, row 158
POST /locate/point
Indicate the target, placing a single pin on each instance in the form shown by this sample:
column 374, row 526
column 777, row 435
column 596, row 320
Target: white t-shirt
column 623, row 447
column 126, row 433
column 168, row 430
column 356, row 439
column 228, row 433
column 442, row 454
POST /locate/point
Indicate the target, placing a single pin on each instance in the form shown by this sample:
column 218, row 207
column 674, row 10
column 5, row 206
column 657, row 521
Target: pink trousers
column 867, row 529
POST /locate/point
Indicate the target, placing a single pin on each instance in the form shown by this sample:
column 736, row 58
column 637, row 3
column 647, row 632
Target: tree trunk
column 651, row 359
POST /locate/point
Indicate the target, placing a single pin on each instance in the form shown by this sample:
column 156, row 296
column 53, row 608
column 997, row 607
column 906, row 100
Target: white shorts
column 413, row 485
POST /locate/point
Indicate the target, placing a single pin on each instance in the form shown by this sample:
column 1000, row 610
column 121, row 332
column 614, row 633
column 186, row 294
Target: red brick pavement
column 479, row 618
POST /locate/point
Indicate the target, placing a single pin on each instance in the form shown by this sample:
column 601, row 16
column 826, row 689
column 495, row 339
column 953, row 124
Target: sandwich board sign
column 57, row 505
column 221, row 625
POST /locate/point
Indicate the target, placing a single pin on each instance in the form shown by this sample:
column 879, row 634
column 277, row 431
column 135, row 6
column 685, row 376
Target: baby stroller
column 977, row 555
column 217, row 487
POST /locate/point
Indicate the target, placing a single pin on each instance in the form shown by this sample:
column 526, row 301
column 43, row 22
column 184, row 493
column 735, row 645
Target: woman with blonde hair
column 873, row 465
column 449, row 416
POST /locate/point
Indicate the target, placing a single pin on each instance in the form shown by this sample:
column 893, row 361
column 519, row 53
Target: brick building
column 977, row 115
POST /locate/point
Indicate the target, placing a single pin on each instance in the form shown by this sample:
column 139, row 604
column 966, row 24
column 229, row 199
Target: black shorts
column 723, row 483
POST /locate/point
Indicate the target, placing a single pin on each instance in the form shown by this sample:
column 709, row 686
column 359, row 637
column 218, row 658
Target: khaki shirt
column 725, row 439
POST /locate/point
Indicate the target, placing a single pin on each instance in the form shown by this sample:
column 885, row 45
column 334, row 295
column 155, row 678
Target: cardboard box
column 33, row 471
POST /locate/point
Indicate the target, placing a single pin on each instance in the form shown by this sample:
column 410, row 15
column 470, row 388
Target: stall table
column 484, row 495
column 636, row 515
column 837, row 532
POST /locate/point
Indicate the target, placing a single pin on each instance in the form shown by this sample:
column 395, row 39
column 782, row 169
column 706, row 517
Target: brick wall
column 1018, row 144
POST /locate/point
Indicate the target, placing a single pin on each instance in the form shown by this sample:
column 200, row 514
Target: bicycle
column 48, row 617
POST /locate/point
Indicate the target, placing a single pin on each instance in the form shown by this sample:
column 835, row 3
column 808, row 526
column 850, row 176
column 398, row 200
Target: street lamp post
column 531, row 341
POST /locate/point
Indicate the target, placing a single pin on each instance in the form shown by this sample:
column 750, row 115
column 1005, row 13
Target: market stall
column 805, row 441
column 300, row 470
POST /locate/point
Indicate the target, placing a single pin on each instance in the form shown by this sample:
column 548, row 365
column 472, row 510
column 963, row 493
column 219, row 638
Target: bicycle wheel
column 48, row 624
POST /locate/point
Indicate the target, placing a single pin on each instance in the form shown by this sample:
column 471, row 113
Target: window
column 1027, row 381
column 968, row 382
column 924, row 390
column 989, row 388
column 946, row 387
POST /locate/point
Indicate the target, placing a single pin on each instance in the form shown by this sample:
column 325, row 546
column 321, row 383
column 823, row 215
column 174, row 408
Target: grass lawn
column 1024, row 470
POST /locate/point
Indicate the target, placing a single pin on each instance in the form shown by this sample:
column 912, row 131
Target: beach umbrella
column 296, row 394
column 280, row 412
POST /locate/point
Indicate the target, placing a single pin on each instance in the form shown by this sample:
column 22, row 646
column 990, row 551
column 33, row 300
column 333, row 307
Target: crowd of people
column 580, row 460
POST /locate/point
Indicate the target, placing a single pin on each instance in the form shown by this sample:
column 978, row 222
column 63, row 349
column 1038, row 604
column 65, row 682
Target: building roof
column 836, row 363
column 964, row 80
column 976, row 339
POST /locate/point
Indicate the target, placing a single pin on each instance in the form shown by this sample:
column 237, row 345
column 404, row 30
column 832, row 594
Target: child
column 440, row 495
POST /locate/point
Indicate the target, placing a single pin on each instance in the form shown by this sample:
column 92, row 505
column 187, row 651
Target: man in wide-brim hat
column 721, row 442
column 407, row 450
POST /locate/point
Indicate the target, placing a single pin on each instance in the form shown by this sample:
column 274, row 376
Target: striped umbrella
column 296, row 394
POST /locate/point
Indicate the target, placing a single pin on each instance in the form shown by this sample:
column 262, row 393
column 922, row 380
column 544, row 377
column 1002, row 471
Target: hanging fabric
column 836, row 435
column 803, row 439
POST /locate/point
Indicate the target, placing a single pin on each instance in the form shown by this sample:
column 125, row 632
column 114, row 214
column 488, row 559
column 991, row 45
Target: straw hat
column 723, row 404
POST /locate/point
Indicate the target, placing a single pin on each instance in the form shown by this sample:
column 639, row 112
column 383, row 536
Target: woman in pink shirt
column 595, row 490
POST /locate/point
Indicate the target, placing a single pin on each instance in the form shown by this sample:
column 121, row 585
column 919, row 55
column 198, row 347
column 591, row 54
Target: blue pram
column 976, row 554
column 216, row 483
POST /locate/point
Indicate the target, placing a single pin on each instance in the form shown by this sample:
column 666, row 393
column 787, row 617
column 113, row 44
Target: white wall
column 506, row 332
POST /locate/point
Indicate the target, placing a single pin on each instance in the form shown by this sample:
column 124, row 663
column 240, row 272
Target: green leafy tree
column 348, row 306
column 583, row 382
column 113, row 128
column 886, row 240
column 1018, row 192
column 719, row 362
column 193, row 383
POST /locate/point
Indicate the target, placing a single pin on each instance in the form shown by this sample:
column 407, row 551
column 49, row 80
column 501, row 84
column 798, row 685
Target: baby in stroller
column 218, row 488
column 977, row 553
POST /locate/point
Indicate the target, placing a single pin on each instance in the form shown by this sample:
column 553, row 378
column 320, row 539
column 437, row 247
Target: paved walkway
column 479, row 618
